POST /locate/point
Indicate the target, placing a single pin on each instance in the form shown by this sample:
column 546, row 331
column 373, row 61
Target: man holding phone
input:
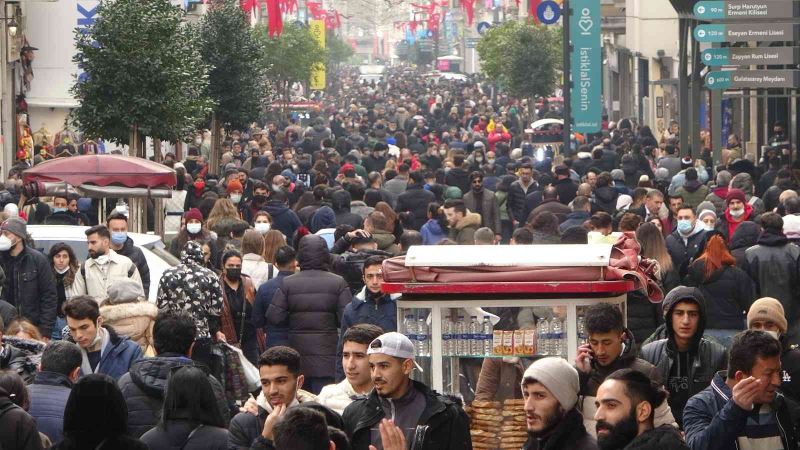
column 611, row 347
column 743, row 408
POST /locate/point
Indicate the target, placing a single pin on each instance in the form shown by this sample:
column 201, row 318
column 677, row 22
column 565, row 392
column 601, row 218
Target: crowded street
column 329, row 226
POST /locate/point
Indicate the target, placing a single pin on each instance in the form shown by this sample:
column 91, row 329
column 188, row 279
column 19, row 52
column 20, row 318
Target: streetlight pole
column 567, row 63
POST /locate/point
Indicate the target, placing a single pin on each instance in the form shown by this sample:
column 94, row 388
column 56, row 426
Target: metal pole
column 567, row 51
column 683, row 86
column 697, row 97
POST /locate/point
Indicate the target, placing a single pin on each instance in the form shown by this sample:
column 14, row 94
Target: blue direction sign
column 751, row 79
column 746, row 9
column 746, row 32
column 747, row 56
column 586, row 66
column 548, row 12
column 483, row 27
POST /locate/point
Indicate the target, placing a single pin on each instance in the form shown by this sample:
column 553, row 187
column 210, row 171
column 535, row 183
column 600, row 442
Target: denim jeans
column 61, row 322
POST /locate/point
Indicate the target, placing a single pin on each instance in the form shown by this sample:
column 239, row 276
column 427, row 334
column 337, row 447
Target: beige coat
column 96, row 281
column 134, row 320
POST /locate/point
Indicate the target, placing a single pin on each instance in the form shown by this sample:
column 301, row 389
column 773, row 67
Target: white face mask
column 193, row 228
column 5, row 244
column 262, row 227
column 236, row 198
column 737, row 212
column 277, row 187
column 773, row 334
column 62, row 271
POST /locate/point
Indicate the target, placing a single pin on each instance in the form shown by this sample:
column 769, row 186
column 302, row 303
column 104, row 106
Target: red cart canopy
column 102, row 170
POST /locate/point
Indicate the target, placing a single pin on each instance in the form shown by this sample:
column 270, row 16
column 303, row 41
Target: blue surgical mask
column 119, row 237
column 685, row 226
column 59, row 210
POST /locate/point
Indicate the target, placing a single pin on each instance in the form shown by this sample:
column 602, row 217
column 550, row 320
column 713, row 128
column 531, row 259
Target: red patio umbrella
column 102, row 170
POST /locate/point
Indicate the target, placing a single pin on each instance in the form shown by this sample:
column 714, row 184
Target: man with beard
column 743, row 408
column 610, row 347
column 550, row 389
column 103, row 267
column 411, row 405
column 626, row 404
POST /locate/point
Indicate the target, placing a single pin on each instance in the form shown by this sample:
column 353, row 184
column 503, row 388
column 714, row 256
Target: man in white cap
column 550, row 388
column 410, row 405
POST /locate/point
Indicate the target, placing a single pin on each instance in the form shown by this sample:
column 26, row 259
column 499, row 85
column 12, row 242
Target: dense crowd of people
column 281, row 248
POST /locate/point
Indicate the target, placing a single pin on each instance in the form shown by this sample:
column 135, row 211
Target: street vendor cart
column 479, row 315
column 518, row 289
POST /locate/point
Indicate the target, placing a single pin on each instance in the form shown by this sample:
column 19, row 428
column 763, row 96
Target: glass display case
column 479, row 315
column 454, row 335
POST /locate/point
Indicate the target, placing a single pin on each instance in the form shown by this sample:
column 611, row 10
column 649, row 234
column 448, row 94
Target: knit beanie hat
column 193, row 213
column 735, row 194
column 768, row 308
column 558, row 376
column 452, row 192
column 234, row 186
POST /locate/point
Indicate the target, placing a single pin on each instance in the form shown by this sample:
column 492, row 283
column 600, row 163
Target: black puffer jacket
column 683, row 253
column 446, row 422
column 17, row 360
column 774, row 265
column 17, row 428
column 340, row 203
column 729, row 292
column 313, row 302
column 664, row 437
column 745, row 236
column 644, row 316
column 145, row 384
column 606, row 198
column 135, row 254
column 415, row 200
column 30, row 285
column 707, row 357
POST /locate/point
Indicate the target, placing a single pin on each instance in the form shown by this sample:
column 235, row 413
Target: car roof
column 78, row 233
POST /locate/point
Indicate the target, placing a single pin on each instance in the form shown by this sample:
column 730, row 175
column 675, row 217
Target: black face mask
column 233, row 274
column 259, row 199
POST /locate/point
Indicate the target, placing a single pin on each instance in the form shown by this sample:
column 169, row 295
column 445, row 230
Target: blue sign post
column 586, row 62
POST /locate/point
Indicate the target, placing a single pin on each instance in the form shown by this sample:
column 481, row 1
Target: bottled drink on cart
column 423, row 338
column 409, row 329
column 557, row 336
column 488, row 336
column 475, row 337
column 447, row 336
column 582, row 330
column 462, row 343
column 543, row 337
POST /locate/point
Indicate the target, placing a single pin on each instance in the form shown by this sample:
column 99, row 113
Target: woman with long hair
column 238, row 295
column 728, row 290
column 193, row 229
column 393, row 224
column 96, row 417
column 65, row 265
column 190, row 417
column 253, row 263
column 654, row 248
column 273, row 240
column 223, row 209
column 435, row 230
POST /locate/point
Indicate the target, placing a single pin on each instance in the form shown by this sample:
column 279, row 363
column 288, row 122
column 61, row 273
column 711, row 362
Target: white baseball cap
column 393, row 344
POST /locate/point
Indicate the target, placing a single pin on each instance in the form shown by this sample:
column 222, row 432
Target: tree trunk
column 213, row 163
column 136, row 218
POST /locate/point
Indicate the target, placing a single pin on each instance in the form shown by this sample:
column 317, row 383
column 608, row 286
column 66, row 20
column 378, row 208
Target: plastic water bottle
column 475, row 337
column 581, row 330
column 462, row 343
column 447, row 336
column 488, row 336
column 423, row 338
column 557, row 336
column 409, row 327
column 543, row 337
